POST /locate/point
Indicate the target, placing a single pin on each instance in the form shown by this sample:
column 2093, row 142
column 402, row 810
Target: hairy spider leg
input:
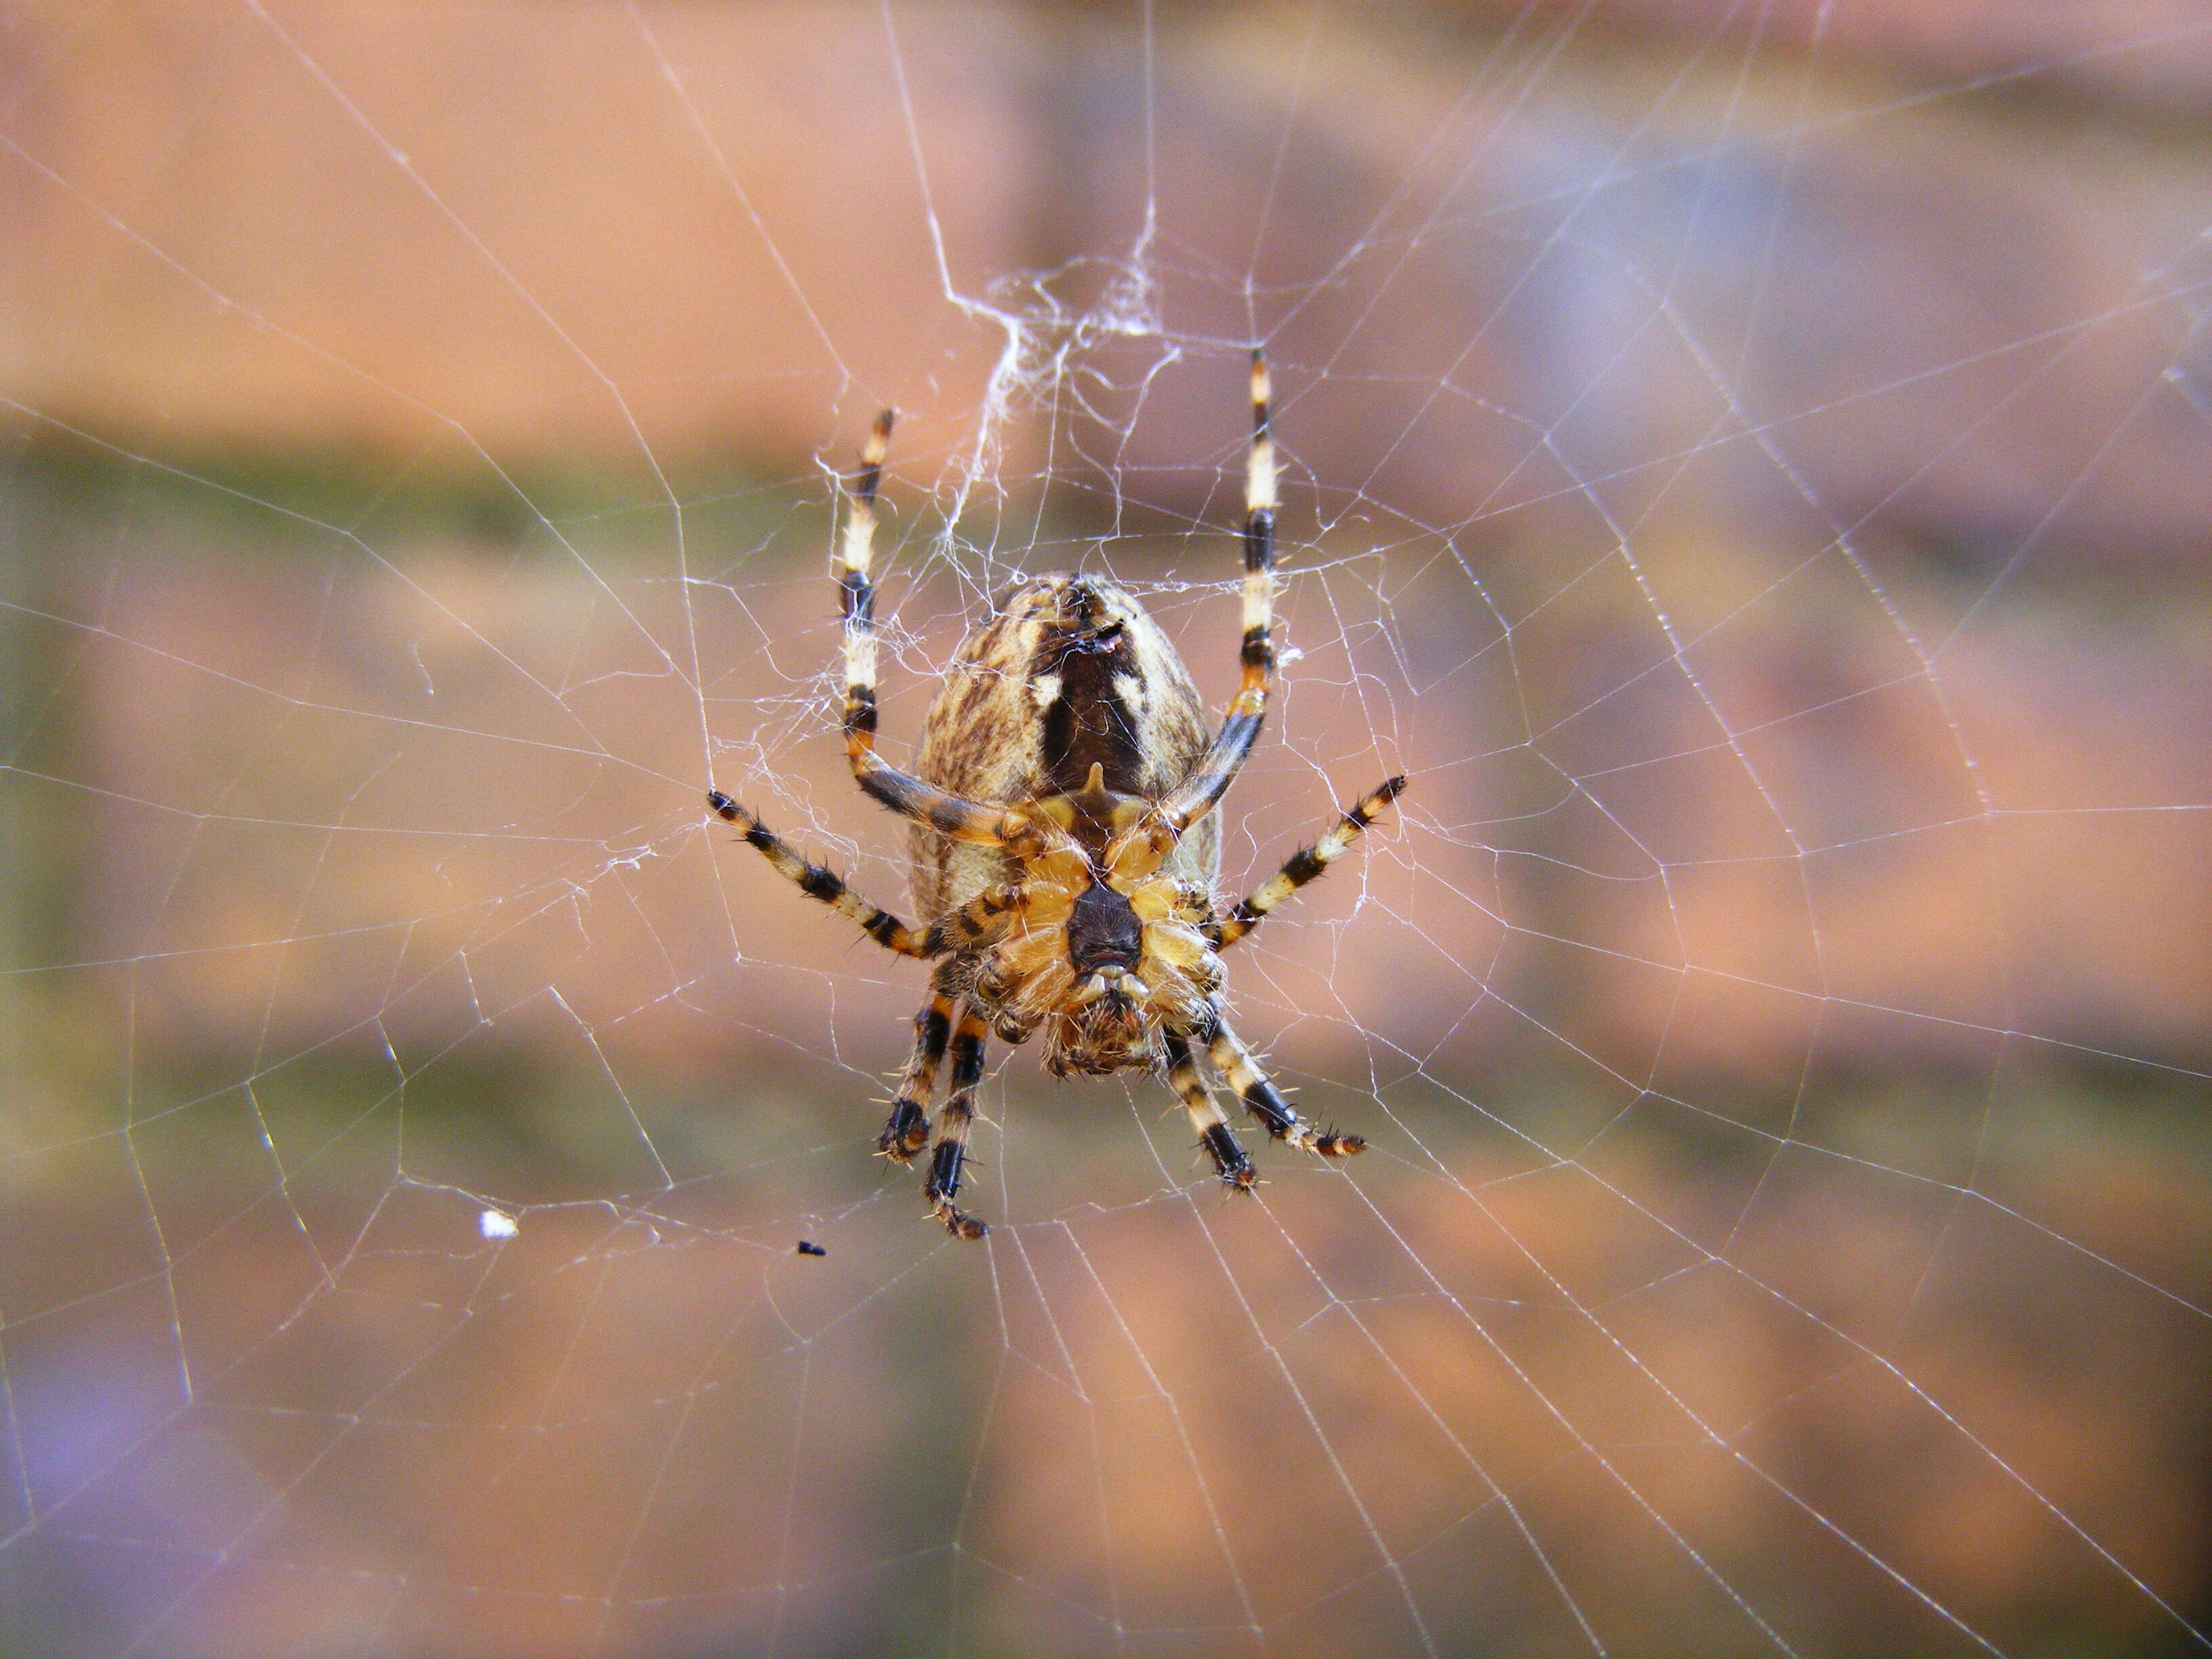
column 1265, row 1101
column 903, row 792
column 942, row 1185
column 1240, row 728
column 825, row 885
column 981, row 921
column 1231, row 1162
column 908, row 1130
column 984, row 920
column 1302, row 866
column 856, row 552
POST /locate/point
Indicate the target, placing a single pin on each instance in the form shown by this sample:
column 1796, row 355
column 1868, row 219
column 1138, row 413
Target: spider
column 1064, row 843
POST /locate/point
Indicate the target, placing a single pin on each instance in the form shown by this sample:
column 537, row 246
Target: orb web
column 440, row 1213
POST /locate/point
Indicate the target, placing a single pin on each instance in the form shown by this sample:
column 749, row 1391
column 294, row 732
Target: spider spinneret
column 1064, row 843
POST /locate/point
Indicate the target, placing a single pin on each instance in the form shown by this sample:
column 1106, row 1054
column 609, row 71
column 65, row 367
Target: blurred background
column 1752, row 466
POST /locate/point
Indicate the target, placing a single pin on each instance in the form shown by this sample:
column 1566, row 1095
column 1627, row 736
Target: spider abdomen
column 1070, row 672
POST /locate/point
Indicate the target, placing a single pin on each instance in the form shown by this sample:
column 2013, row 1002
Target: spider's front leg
column 1231, row 1162
column 907, row 1132
column 943, row 1185
column 1265, row 1101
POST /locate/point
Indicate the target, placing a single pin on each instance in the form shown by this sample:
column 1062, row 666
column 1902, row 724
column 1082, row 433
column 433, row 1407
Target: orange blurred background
column 1751, row 470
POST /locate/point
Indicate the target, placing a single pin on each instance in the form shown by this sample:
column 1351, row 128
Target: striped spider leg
column 1304, row 865
column 942, row 1023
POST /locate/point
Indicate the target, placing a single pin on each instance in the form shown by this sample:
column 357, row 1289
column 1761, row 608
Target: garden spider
column 1064, row 843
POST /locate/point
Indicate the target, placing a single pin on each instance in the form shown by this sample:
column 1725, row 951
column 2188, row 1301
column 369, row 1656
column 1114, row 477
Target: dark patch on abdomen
column 1088, row 725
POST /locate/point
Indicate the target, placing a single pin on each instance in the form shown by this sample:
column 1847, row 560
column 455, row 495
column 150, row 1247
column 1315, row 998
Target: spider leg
column 903, row 792
column 907, row 1132
column 1265, row 1101
column 942, row 1185
column 984, row 920
column 1302, row 866
column 1240, row 728
column 827, row 886
column 1231, row 1162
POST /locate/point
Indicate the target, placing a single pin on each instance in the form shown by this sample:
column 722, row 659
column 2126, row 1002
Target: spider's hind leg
column 963, row 820
column 1216, row 769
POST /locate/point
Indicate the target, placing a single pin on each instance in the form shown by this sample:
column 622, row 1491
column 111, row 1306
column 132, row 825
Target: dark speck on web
column 807, row 1247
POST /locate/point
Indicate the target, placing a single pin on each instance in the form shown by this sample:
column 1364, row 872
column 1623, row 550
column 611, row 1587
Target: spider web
column 1745, row 463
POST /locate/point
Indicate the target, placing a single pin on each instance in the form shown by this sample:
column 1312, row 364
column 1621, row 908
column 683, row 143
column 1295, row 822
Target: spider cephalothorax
column 1099, row 948
column 1064, row 843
